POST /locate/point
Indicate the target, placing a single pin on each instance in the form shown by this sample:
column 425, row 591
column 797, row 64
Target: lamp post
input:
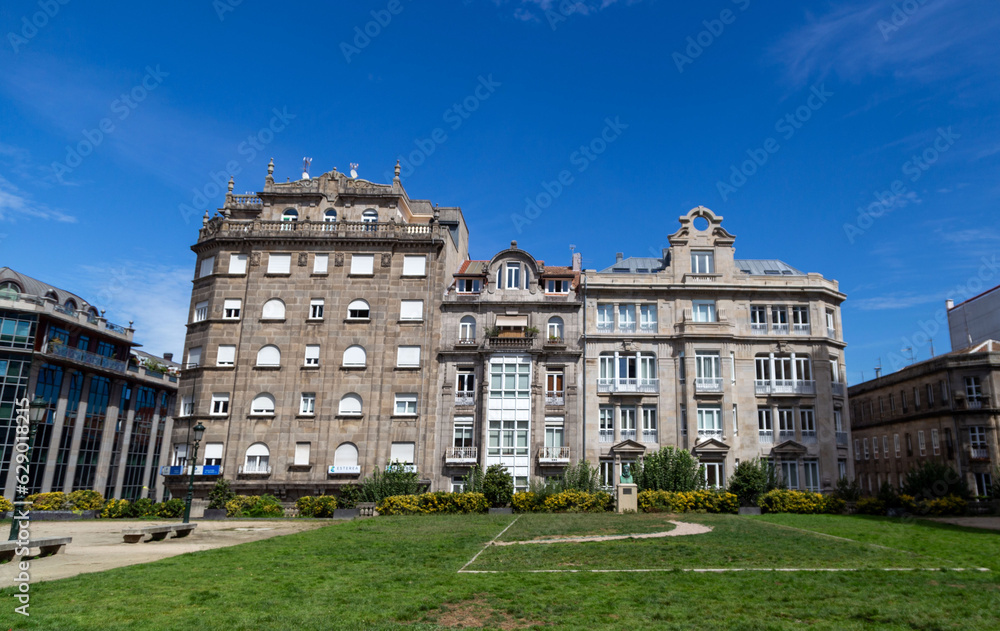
column 36, row 412
column 199, row 432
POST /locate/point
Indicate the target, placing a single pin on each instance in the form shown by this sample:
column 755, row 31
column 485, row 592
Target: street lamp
column 199, row 432
column 37, row 410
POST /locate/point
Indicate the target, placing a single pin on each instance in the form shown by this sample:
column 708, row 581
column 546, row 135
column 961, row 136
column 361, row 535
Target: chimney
column 618, row 257
column 949, row 304
column 168, row 356
column 577, row 261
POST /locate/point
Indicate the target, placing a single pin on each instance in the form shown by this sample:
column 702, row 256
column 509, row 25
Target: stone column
column 168, row 429
column 74, row 446
column 58, row 420
column 108, row 437
column 151, row 448
column 123, row 452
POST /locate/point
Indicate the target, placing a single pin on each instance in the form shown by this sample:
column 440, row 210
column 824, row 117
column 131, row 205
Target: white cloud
column 16, row 204
column 894, row 301
column 526, row 11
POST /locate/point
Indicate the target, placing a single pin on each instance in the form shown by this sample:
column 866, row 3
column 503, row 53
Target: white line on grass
column 734, row 569
column 488, row 544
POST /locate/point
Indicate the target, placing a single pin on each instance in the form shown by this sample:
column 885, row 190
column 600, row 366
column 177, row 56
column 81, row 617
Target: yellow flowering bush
column 577, row 502
column 5, row 505
column 802, row 502
column 316, row 506
column 254, row 506
column 48, row 501
column 526, row 502
column 870, row 506
column 115, row 509
column 683, row 501
column 429, row 503
column 85, row 500
column 948, row 505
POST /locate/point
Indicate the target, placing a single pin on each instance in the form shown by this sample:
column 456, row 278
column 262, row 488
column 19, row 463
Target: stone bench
column 157, row 533
column 47, row 547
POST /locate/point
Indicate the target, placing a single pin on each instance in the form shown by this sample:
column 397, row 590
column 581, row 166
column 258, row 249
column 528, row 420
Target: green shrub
column 395, row 480
column 578, row 502
column 431, row 503
column 937, row 507
column 751, row 479
column 802, row 502
column 847, row 490
column 350, row 495
column 142, row 507
column 171, row 509
column 527, row 502
column 934, row 479
column 5, row 505
column 870, row 506
column 48, row 501
column 85, row 500
column 498, row 486
column 669, row 469
column 316, row 506
column 581, row 476
column 474, row 479
column 710, row 501
column 254, row 506
column 115, row 509
column 220, row 494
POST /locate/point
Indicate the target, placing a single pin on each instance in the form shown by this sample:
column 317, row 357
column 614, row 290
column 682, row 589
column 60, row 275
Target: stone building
column 730, row 359
column 974, row 320
column 310, row 350
column 109, row 420
column 510, row 361
column 942, row 409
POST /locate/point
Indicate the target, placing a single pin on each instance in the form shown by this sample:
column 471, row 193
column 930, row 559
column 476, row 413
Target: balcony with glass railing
column 758, row 328
column 786, row 434
column 779, row 329
column 839, row 389
column 461, row 455
column 651, row 386
column 463, row 397
column 808, row 435
column 648, row 327
column 255, row 469
column 85, row 357
column 626, row 327
column 708, row 385
column 604, row 327
column 801, row 329
column 553, row 456
column 784, row 386
column 627, row 434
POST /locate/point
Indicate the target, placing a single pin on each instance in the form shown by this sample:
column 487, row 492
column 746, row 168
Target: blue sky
column 887, row 108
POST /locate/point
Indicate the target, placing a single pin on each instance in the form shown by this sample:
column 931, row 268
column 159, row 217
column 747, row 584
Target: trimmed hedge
column 801, row 502
column 570, row 501
column 937, row 507
column 684, row 501
column 316, row 505
column 254, row 506
column 428, row 503
column 145, row 507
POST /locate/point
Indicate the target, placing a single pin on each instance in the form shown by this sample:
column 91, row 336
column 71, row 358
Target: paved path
column 97, row 544
column 682, row 529
column 988, row 523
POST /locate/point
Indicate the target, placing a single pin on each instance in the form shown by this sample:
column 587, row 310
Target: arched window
column 330, row 216
column 70, row 304
column 355, row 356
column 94, row 312
column 467, row 329
column 290, row 215
column 9, row 285
column 274, row 309
column 346, row 456
column 51, row 295
column 370, row 216
column 358, row 310
column 269, row 356
column 350, row 405
column 263, row 403
column 258, row 459
column 555, row 330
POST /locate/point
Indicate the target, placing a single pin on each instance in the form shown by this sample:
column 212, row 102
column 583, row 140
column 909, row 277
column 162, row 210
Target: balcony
column 604, row 327
column 555, row 398
column 711, row 385
column 465, row 342
column 220, row 227
column 808, row 435
column 260, row 471
column 831, row 333
column 461, row 455
column 651, row 386
column 839, row 389
column 626, row 327
column 553, row 456
column 555, row 341
column 786, row 434
column 186, row 470
column 758, row 329
column 974, row 404
column 779, row 329
column 606, row 436
column 399, row 466
column 627, row 434
column 650, row 436
column 784, row 386
column 979, row 453
column 801, row 329
column 511, row 343
column 842, row 440
column 465, row 398
column 765, row 436
column 85, row 357
column 707, row 434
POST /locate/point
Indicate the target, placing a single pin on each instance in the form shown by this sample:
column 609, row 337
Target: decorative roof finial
column 204, row 220
column 270, row 172
column 230, row 185
column 397, row 170
column 513, row 245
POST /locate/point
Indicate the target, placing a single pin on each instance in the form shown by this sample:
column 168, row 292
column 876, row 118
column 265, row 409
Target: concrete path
column 988, row 523
column 682, row 529
column 97, row 544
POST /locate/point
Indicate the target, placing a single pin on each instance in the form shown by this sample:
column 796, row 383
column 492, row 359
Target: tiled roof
column 472, row 267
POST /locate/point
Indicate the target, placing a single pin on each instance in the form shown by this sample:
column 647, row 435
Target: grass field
column 402, row 573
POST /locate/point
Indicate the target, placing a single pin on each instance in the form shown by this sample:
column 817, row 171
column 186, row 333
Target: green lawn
column 401, row 573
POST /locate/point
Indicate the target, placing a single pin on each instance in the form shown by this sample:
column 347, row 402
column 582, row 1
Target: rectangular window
column 231, row 309
column 411, row 310
column 916, row 399
column 627, row 421
column 237, row 263
column 715, row 475
column 220, row 404
column 226, row 355
column 649, row 426
column 194, row 357
column 790, row 474
column 408, row 357
column 406, row 405
column 462, row 435
column 279, row 263
column 703, row 310
column 807, row 420
column 605, row 317
column 702, row 262
column 857, row 450
column 736, row 421
column 710, row 422
column 909, row 445
column 207, row 267
column 321, row 264
column 414, row 265
column 973, row 390
column 800, row 317
column 316, row 309
column 554, row 384
column 555, row 435
column 626, row 318
column 557, row 287
column 467, row 285
column 810, row 474
column 606, row 420
column 180, row 455
column 921, row 443
column 758, row 317
column 935, row 442
column 513, row 276
column 875, row 446
column 213, row 454
column 312, row 355
column 885, row 445
column 301, row 454
column 200, row 311
column 764, row 420
column 187, row 405
column 786, row 424
column 866, row 449
column 466, row 384
column 307, row 405
column 830, row 332
column 403, row 453
column 647, row 318
column 895, row 445
column 363, row 264
column 930, row 395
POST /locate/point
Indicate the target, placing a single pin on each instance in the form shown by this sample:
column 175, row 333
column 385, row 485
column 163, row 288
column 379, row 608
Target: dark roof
column 636, row 265
column 766, row 267
column 35, row 287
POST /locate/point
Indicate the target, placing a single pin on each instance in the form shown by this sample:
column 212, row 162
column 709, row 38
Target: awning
column 512, row 320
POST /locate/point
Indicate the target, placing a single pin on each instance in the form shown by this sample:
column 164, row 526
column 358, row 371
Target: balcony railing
column 648, row 327
column 831, row 333
column 555, row 397
column 650, row 436
column 553, row 455
column 86, row 357
column 604, row 327
column 808, row 435
column 220, row 227
column 786, row 434
column 511, row 343
column 708, row 384
column 784, row 386
column 758, row 329
column 842, row 439
column 974, row 404
column 465, row 398
column 626, row 327
column 979, row 453
column 801, row 329
column 627, row 434
column 461, row 455
column 780, row 329
column 628, row 385
column 606, row 436
column 839, row 389
column 253, row 469
column 765, row 436
column 705, row 434
column 465, row 341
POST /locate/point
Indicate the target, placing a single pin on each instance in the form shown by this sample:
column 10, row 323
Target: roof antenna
column 305, row 167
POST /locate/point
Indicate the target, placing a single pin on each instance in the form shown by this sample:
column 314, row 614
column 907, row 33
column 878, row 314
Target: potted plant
column 531, row 331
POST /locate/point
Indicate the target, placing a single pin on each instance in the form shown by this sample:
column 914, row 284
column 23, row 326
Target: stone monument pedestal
column 627, row 498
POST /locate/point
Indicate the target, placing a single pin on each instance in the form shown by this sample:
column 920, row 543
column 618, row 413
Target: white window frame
column 200, row 311
column 312, row 355
column 415, row 265
column 362, row 265
column 238, row 264
column 557, row 286
column 512, row 276
column 702, row 262
column 703, row 311
column 408, row 356
column 220, row 404
column 271, row 350
column 349, row 410
column 921, row 442
column 232, row 308
column 895, row 444
column 194, row 357
column 206, row 267
column 354, row 363
column 468, row 285
column 307, row 404
column 411, row 310
column 935, row 442
column 279, row 263
column 316, row 307
column 225, row 355
column 467, row 328
column 405, row 404
column 355, row 306
column 263, row 404
column 810, row 475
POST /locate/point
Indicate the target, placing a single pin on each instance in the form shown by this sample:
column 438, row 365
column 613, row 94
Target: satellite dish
column 354, row 170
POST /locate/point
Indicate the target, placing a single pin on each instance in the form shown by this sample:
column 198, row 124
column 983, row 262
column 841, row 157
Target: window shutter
column 363, row 264
column 227, row 354
column 194, row 356
column 320, row 263
column 408, row 356
column 279, row 264
column 411, row 310
column 402, row 452
column 238, row 264
column 414, row 265
column 213, row 451
column 207, row 266
column 301, row 453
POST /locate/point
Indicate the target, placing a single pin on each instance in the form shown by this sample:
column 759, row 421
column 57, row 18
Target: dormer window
column 557, row 287
column 513, row 276
column 468, row 285
column 703, row 262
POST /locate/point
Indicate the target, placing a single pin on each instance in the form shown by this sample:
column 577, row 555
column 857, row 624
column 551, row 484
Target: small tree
column 395, row 480
column 669, row 469
column 498, row 486
column 751, row 479
column 581, row 477
column 474, row 479
column 932, row 480
column 847, row 490
column 220, row 494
